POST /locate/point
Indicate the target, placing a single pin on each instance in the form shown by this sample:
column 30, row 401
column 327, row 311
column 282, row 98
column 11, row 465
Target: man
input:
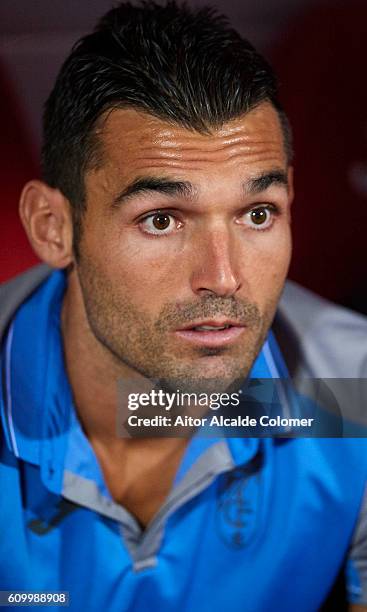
column 165, row 212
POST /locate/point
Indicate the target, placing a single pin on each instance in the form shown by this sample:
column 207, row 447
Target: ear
column 46, row 217
column 290, row 184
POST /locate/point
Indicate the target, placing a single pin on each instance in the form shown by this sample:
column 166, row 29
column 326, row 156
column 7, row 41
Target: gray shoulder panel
column 318, row 338
column 15, row 291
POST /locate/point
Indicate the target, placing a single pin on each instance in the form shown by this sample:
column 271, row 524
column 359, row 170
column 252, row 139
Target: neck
column 91, row 371
column 138, row 472
column 94, row 372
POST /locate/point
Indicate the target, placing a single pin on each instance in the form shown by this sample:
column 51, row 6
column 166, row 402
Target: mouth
column 211, row 333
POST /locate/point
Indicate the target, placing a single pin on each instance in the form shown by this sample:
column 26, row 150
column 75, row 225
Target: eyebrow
column 166, row 186
column 265, row 180
column 155, row 184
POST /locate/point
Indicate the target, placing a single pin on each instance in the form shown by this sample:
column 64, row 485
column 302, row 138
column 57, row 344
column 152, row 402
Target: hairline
column 94, row 143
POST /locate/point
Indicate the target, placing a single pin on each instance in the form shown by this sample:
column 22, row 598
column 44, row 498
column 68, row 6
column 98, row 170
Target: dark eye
column 161, row 221
column 259, row 218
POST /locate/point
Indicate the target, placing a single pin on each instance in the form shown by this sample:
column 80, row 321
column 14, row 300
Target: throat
column 140, row 473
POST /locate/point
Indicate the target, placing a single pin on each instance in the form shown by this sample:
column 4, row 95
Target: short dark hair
column 180, row 64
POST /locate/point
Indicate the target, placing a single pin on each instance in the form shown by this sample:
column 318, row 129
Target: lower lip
column 222, row 337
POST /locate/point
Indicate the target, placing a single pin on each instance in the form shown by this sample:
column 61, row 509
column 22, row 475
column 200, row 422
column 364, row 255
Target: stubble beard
column 133, row 339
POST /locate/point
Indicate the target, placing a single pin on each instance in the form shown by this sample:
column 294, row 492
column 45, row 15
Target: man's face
column 186, row 244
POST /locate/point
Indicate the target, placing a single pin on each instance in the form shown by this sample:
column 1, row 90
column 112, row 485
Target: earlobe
column 46, row 217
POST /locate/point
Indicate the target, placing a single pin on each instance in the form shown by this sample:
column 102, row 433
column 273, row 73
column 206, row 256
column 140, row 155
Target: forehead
column 134, row 143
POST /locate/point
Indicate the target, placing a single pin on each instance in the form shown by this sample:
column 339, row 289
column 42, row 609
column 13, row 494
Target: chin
column 208, row 378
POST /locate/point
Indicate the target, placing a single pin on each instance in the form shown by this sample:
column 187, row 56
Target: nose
column 216, row 263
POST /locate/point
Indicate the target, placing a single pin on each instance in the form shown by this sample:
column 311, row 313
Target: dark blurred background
column 318, row 50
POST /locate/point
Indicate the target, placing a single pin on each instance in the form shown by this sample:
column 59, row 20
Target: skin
column 131, row 290
column 133, row 295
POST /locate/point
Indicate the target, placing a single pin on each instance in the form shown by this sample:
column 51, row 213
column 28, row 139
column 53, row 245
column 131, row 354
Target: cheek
column 267, row 263
column 280, row 256
column 147, row 274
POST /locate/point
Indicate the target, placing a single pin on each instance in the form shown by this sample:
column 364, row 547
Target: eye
column 260, row 218
column 159, row 223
